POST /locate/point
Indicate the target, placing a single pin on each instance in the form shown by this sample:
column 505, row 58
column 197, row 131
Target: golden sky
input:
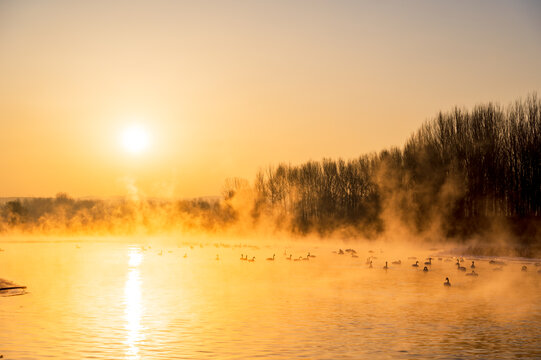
column 223, row 88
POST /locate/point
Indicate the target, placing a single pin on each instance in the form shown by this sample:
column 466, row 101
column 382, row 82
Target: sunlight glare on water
column 134, row 307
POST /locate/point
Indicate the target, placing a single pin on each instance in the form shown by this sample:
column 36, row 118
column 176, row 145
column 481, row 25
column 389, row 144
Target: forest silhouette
column 464, row 174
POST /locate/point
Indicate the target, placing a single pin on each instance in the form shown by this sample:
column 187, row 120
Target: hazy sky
column 224, row 88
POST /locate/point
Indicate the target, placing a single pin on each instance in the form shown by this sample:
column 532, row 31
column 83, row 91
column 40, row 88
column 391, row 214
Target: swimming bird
column 425, row 269
column 340, row 252
column 473, row 265
column 272, row 258
column 386, row 267
column 298, row 259
column 370, row 266
column 429, row 262
column 252, row 259
column 397, row 262
column 524, row 268
column 289, row 258
column 416, row 264
column 242, row 256
column 473, row 273
column 306, row 258
column 461, row 268
column 446, row 283
column 311, row 255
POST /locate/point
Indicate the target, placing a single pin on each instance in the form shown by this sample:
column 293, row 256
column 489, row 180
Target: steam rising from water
column 447, row 184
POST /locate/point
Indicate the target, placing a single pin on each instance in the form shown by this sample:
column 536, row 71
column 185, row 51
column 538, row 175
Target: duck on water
column 473, row 273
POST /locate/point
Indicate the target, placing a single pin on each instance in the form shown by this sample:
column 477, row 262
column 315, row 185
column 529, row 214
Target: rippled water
column 111, row 299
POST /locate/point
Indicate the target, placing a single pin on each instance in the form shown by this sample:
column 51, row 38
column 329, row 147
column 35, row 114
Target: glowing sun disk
column 135, row 139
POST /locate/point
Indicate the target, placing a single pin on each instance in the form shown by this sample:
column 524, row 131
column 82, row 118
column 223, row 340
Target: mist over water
column 169, row 297
column 466, row 176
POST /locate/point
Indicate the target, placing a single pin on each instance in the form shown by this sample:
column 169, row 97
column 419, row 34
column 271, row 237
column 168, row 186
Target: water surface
column 112, row 299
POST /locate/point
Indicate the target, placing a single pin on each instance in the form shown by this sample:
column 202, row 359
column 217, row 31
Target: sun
column 135, row 139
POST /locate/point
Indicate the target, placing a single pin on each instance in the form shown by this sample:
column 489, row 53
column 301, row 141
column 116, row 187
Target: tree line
column 66, row 215
column 462, row 172
column 462, row 169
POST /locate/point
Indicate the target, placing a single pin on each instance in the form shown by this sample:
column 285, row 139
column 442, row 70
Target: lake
column 188, row 298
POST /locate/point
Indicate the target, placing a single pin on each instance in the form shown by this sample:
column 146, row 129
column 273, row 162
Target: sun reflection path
column 132, row 300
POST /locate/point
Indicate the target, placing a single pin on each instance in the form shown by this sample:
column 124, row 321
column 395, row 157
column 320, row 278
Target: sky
column 222, row 89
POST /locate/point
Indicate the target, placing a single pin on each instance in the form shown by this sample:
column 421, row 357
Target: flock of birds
column 369, row 261
column 499, row 264
column 459, row 260
column 426, row 266
column 290, row 257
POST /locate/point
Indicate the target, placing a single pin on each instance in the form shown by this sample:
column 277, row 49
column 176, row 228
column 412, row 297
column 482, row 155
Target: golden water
column 111, row 299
